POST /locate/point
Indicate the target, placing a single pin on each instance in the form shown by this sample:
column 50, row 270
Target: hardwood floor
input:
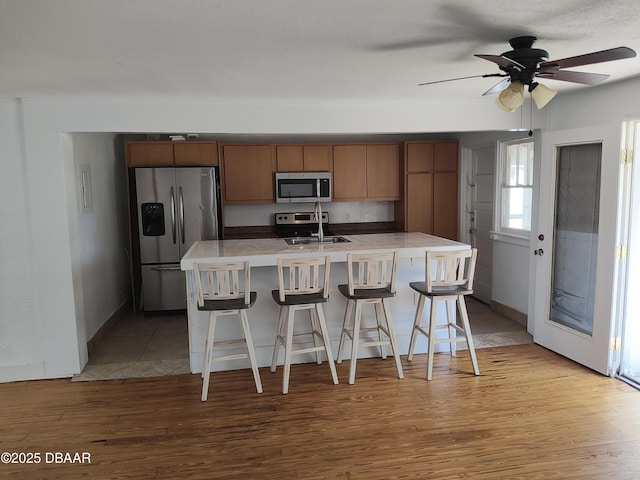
column 530, row 415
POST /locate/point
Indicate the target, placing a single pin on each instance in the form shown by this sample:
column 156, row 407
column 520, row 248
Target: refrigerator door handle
column 173, row 214
column 165, row 268
column 181, row 213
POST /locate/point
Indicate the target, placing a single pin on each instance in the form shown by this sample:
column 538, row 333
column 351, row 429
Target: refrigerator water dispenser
column 152, row 219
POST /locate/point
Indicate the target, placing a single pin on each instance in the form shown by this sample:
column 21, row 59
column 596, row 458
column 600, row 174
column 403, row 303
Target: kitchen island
column 263, row 316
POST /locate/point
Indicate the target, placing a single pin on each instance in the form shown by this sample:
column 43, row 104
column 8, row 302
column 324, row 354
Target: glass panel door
column 574, row 243
column 576, row 236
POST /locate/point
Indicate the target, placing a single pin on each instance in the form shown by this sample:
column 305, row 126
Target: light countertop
column 265, row 251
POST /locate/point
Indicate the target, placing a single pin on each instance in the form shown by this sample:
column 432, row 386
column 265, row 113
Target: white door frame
column 590, row 350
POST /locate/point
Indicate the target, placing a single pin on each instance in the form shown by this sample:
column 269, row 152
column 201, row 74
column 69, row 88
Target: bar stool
column 303, row 285
column 371, row 280
column 224, row 289
column 449, row 277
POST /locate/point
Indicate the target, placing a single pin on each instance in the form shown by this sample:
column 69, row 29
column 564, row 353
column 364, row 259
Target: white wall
column 102, row 228
column 43, row 305
column 20, row 347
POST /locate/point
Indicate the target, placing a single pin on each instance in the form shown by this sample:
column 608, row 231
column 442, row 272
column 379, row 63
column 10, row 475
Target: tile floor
column 138, row 346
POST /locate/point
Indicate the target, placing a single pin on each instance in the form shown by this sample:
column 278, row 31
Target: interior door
column 574, row 244
column 480, row 186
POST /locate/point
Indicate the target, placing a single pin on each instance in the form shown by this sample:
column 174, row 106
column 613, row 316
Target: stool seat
column 371, row 281
column 298, row 299
column 448, row 278
column 303, row 284
column 229, row 303
column 365, row 293
column 421, row 288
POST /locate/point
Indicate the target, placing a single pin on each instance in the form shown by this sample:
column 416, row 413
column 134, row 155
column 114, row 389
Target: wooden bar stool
column 224, row 289
column 371, row 280
column 449, row 277
column 303, row 285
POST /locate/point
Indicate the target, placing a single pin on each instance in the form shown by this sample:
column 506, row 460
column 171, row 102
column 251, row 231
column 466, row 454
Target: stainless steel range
column 300, row 224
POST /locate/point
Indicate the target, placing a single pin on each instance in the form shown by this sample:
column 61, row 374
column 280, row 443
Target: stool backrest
column 222, row 281
column 372, row 270
column 450, row 269
column 297, row 276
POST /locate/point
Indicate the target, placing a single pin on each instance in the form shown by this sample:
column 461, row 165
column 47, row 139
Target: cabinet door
column 289, row 158
column 445, row 156
column 445, row 205
column 420, row 157
column 349, row 172
column 317, row 158
column 190, row 154
column 383, row 172
column 150, row 154
column 248, row 173
column 419, row 203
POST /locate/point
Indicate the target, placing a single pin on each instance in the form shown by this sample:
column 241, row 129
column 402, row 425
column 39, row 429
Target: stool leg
column 355, row 338
column 380, row 313
column 451, row 319
column 315, row 331
column 287, row 351
column 348, row 311
column 279, row 338
column 416, row 324
column 250, row 350
column 327, row 342
column 467, row 331
column 433, row 315
column 392, row 337
column 206, row 368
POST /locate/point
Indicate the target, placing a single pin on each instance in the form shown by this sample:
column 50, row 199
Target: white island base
column 263, row 316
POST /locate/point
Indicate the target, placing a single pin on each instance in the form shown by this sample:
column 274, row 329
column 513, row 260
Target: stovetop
column 300, row 224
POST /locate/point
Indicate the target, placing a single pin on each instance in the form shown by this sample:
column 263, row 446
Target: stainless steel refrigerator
column 175, row 208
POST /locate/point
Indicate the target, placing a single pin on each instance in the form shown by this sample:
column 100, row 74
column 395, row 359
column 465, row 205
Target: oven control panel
column 299, row 218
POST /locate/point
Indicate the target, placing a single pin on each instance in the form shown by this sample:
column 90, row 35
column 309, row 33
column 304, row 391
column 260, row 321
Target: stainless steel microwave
column 292, row 187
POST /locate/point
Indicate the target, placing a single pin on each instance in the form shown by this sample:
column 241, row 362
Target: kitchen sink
column 314, row 240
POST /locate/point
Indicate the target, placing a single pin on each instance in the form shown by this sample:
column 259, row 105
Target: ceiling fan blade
column 502, row 61
column 498, row 87
column 463, row 78
column 575, row 77
column 618, row 53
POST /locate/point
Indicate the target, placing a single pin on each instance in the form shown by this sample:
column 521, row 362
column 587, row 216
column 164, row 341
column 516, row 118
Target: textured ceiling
column 292, row 50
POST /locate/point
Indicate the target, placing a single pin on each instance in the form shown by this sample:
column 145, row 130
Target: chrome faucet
column 317, row 211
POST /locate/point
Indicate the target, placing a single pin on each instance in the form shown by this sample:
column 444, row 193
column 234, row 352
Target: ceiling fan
column 523, row 65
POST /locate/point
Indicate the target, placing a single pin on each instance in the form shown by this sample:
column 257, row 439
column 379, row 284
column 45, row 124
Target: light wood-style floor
column 531, row 415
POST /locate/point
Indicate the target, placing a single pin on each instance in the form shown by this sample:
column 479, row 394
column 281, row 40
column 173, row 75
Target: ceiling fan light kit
column 521, row 65
column 512, row 97
column 541, row 94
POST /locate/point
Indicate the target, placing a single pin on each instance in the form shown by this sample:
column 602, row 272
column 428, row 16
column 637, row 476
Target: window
column 516, row 186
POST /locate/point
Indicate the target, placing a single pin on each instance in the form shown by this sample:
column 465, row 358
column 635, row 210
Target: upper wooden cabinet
column 248, row 173
column 366, row 172
column 169, row 154
column 195, row 153
column 303, row 158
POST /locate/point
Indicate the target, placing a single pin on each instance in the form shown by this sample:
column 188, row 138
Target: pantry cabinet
column 430, row 201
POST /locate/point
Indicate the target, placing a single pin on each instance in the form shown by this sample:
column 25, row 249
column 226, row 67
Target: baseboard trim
column 106, row 326
column 509, row 312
